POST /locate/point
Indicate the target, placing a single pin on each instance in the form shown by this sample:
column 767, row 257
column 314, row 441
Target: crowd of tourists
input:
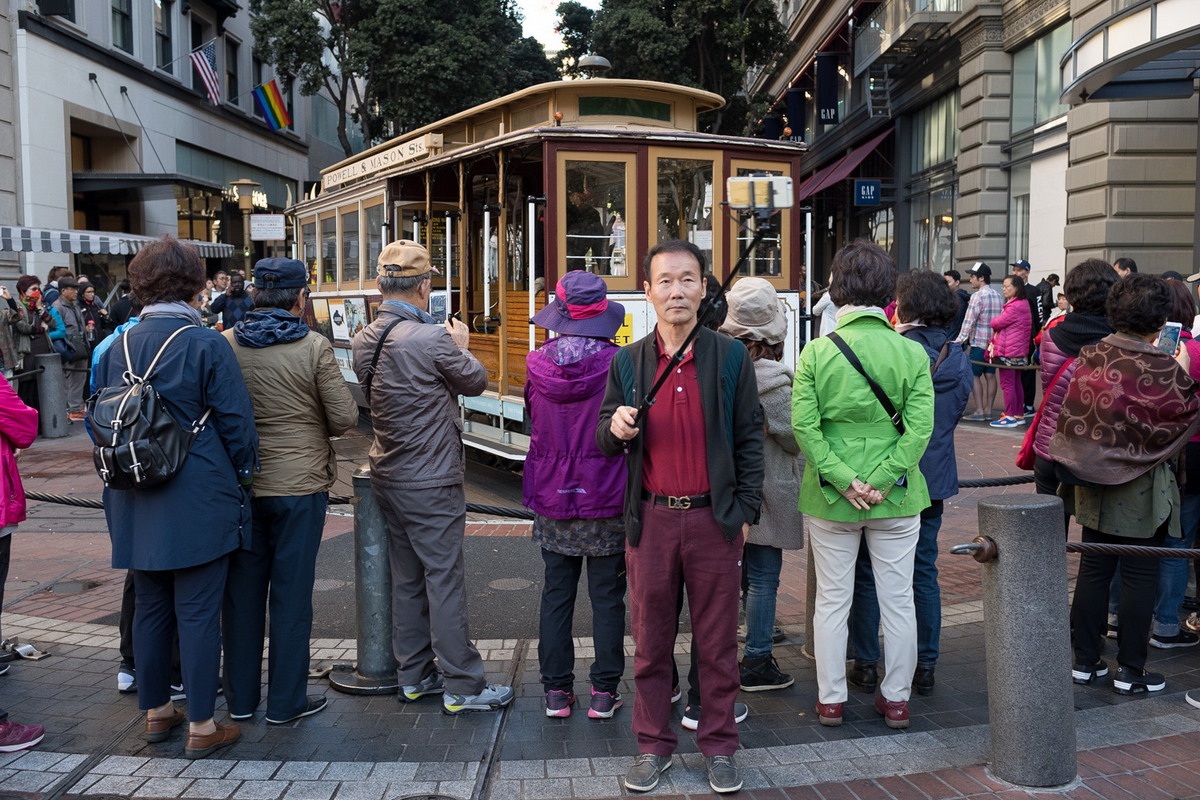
column 680, row 466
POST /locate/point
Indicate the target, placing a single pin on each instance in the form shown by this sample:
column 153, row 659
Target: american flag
column 205, row 60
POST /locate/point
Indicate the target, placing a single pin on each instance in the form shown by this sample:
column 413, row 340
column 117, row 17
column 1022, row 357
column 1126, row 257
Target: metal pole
column 52, row 396
column 449, row 265
column 1031, row 703
column 376, row 669
column 808, row 276
column 487, row 253
column 531, row 271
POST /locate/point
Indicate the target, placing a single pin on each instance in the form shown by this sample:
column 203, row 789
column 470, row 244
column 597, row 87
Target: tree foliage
column 390, row 66
column 708, row 44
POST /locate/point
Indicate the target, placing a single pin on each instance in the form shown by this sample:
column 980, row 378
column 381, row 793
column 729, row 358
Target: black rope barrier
column 981, row 483
column 1131, row 550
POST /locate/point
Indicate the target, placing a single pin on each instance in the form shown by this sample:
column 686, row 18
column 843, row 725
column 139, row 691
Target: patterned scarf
column 1128, row 408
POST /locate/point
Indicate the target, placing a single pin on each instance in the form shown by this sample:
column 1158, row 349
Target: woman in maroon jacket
column 18, row 429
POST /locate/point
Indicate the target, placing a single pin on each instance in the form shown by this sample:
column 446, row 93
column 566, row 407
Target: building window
column 1037, row 81
column 256, row 75
column 934, row 233
column 289, row 95
column 1018, row 209
column 232, row 89
column 122, row 25
column 164, row 38
column 935, row 133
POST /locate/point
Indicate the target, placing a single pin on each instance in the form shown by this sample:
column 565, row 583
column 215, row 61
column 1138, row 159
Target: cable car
column 509, row 195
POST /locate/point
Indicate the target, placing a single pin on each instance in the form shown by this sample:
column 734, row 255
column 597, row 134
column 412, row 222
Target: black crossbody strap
column 375, row 359
column 880, row 395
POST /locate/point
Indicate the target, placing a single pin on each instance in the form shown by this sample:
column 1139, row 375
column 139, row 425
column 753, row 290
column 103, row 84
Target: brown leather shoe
column 201, row 745
column 159, row 730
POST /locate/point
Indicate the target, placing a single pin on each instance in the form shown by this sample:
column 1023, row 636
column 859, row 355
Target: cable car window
column 685, row 199
column 595, row 209
column 308, row 237
column 624, row 107
column 374, row 235
column 350, row 257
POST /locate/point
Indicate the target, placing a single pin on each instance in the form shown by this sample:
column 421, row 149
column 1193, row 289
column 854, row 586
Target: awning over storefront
column 46, row 240
column 840, row 169
column 1149, row 49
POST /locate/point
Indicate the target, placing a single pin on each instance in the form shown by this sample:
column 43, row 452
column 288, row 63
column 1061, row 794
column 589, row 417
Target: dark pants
column 1029, row 386
column 187, row 602
column 606, row 590
column 693, row 693
column 1089, row 608
column 279, row 567
column 429, row 586
column 688, row 547
column 125, row 628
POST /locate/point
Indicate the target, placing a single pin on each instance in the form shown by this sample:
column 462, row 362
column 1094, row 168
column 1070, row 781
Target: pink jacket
column 18, row 429
column 1012, row 327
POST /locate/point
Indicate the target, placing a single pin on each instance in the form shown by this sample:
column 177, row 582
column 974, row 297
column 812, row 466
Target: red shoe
column 895, row 712
column 829, row 714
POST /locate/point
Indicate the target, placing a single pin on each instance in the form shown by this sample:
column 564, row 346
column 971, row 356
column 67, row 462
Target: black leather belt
column 681, row 503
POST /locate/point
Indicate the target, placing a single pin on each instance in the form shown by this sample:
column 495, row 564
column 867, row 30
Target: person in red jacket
column 1010, row 348
column 18, row 429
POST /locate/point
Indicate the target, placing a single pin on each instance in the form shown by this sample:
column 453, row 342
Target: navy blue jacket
column 951, row 389
column 203, row 513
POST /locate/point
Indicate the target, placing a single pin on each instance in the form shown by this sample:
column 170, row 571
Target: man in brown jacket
column 415, row 370
column 300, row 400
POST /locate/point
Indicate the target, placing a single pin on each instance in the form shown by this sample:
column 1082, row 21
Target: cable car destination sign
column 393, row 156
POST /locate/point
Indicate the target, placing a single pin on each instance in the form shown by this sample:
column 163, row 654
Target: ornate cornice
column 986, row 34
column 1032, row 17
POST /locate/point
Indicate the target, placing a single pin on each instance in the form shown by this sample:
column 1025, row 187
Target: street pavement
column 62, row 596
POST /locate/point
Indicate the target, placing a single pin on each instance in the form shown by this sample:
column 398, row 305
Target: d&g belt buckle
column 679, row 503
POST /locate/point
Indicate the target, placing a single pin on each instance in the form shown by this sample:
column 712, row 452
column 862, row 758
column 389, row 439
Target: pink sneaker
column 604, row 704
column 14, row 737
column 558, row 703
column 829, row 714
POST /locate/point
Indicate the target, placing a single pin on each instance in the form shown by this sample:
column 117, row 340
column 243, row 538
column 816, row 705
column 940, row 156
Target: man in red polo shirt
column 694, row 487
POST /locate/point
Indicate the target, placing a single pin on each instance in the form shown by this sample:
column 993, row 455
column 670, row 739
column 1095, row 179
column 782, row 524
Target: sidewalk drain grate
column 327, row 584
column 73, row 587
column 506, row 584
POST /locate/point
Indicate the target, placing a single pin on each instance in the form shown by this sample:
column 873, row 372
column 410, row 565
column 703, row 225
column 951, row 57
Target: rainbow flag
column 270, row 103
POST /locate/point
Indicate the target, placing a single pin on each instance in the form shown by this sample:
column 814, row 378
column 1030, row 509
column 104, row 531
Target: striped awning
column 46, row 240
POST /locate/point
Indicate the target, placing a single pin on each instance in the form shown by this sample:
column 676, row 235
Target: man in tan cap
column 412, row 370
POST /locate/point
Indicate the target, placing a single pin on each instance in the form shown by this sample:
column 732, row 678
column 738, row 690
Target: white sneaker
column 491, row 698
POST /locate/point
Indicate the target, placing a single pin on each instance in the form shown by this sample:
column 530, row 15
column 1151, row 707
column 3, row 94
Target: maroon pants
column 688, row 547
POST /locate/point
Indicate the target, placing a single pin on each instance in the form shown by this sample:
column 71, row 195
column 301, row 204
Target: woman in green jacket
column 861, row 478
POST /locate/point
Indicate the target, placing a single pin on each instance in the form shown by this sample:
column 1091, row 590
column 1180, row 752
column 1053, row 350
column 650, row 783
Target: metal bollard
column 52, row 396
column 375, row 672
column 1027, row 637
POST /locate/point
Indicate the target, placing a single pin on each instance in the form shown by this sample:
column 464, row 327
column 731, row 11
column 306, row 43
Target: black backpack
column 138, row 443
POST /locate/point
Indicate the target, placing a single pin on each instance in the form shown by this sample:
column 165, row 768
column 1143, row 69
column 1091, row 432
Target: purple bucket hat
column 580, row 307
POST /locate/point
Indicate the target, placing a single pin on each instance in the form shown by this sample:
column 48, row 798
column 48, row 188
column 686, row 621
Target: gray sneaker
column 646, row 770
column 723, row 774
column 491, row 698
column 430, row 684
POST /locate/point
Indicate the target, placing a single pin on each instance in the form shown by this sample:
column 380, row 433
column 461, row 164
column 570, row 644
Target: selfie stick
column 763, row 214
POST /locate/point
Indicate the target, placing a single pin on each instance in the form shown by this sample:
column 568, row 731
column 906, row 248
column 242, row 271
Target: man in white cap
column 412, row 370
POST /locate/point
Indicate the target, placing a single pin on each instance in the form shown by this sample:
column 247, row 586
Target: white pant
column 892, row 543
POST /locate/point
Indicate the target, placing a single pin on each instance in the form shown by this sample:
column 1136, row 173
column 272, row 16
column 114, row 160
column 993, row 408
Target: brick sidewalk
column 63, row 595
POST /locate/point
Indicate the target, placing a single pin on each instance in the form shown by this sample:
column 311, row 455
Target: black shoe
column 762, row 674
column 691, row 715
column 1137, row 681
column 863, row 676
column 923, row 680
column 1191, row 603
column 1084, row 674
column 316, row 702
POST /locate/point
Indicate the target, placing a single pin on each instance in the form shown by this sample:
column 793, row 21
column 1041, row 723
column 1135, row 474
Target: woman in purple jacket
column 576, row 491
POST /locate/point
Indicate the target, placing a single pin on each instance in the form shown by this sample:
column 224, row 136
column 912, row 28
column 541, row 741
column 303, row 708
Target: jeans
column 927, row 596
column 1173, row 572
column 763, row 565
column 606, row 590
